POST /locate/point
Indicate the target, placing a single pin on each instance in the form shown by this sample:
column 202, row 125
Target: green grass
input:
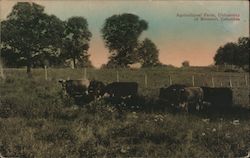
column 36, row 120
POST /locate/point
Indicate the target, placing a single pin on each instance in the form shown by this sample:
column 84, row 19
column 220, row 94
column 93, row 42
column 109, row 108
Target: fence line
column 197, row 79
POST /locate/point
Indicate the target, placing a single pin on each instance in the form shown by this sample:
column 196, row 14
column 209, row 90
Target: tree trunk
column 74, row 62
column 29, row 68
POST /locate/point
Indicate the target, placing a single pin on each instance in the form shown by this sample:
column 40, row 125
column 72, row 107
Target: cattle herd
column 178, row 96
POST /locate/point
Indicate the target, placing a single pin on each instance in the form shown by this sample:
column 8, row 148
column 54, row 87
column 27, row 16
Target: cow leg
column 197, row 107
column 186, row 108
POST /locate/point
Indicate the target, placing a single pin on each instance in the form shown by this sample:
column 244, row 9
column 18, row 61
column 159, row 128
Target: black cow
column 122, row 89
column 96, row 89
column 218, row 97
column 171, row 94
column 75, row 88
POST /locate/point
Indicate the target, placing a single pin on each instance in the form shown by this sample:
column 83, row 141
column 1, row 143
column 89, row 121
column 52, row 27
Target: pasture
column 36, row 120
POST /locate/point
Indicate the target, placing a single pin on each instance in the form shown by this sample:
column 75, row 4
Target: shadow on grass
column 152, row 105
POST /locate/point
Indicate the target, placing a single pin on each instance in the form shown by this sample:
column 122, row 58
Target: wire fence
column 149, row 80
column 145, row 77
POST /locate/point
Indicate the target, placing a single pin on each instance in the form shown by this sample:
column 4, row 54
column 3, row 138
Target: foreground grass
column 37, row 121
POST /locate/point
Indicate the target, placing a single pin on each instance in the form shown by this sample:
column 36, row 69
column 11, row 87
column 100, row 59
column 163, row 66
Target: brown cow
column 191, row 97
column 75, row 88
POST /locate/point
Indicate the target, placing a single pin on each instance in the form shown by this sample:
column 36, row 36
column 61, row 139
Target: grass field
column 36, row 120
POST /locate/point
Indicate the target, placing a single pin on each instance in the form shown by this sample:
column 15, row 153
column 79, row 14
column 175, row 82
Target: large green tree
column 11, row 58
column 120, row 34
column 148, row 53
column 28, row 31
column 76, row 41
column 243, row 57
column 234, row 53
column 226, row 54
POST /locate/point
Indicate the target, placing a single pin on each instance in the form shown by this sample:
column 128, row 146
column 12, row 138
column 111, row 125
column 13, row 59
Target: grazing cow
column 75, row 88
column 191, row 97
column 218, row 97
column 182, row 96
column 171, row 94
column 122, row 89
column 96, row 89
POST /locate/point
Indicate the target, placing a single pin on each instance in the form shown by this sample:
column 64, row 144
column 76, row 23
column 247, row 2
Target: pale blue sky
column 177, row 38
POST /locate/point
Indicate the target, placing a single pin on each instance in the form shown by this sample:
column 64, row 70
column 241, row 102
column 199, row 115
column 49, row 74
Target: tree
column 28, row 30
column 185, row 63
column 49, row 56
column 234, row 53
column 11, row 58
column 148, row 53
column 76, row 40
column 120, row 34
column 243, row 56
column 226, row 54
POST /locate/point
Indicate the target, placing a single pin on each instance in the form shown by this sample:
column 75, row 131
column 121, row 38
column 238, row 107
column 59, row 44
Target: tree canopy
column 76, row 41
column 185, row 63
column 234, row 53
column 120, row 34
column 148, row 53
column 29, row 32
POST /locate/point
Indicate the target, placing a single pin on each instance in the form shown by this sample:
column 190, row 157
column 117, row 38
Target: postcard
column 106, row 78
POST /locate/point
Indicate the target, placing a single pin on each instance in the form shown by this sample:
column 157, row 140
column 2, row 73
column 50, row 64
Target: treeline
column 234, row 54
column 32, row 38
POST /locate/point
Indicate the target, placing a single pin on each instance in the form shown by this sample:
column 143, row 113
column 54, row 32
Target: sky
column 177, row 38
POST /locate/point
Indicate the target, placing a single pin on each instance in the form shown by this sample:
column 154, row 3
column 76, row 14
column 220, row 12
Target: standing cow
column 75, row 88
column 191, row 98
column 96, row 89
column 220, row 97
column 171, row 94
column 182, row 97
column 122, row 89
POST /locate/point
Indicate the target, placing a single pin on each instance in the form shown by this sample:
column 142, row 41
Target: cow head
column 63, row 82
column 171, row 94
column 96, row 88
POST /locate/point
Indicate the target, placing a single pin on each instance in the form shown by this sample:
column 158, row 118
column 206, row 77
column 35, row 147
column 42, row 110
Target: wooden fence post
column 170, row 80
column 2, row 74
column 212, row 81
column 117, row 76
column 246, row 80
column 45, row 73
column 193, row 80
column 85, row 73
column 230, row 82
column 146, row 80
